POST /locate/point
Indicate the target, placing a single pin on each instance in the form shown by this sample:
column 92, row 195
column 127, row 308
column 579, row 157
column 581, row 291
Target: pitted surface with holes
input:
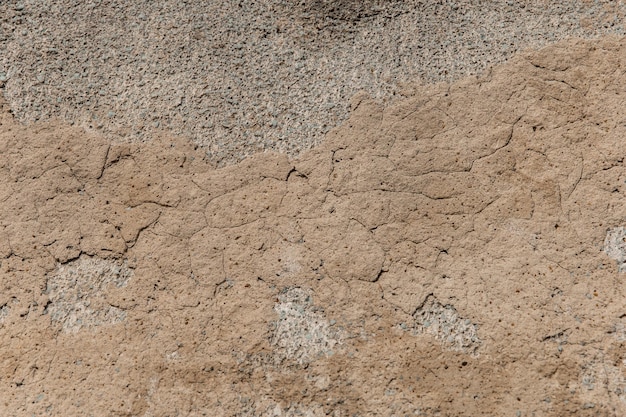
column 312, row 286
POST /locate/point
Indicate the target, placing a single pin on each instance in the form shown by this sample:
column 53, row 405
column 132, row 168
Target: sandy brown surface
column 456, row 254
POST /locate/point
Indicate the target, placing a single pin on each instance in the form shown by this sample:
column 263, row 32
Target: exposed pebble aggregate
column 75, row 286
column 302, row 331
column 238, row 77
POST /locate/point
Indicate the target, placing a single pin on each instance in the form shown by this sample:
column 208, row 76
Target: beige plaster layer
column 455, row 255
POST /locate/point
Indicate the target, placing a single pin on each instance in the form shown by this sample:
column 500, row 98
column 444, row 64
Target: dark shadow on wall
column 331, row 15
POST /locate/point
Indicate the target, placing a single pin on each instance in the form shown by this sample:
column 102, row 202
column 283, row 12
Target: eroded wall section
column 459, row 253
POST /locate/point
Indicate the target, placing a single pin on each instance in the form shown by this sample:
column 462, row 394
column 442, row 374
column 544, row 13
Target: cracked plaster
column 492, row 194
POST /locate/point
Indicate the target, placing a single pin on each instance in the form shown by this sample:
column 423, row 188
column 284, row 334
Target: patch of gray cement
column 76, row 292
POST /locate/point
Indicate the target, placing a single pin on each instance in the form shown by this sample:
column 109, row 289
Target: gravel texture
column 75, row 288
column 444, row 323
column 615, row 246
column 238, row 77
column 302, row 332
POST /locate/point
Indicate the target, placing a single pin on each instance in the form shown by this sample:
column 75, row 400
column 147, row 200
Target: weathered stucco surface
column 456, row 254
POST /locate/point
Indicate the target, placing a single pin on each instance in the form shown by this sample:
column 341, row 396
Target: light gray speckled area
column 242, row 76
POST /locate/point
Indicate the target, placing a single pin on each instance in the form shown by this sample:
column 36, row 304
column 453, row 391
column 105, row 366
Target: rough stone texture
column 242, row 76
column 301, row 331
column 290, row 287
column 444, row 323
column 615, row 246
column 74, row 288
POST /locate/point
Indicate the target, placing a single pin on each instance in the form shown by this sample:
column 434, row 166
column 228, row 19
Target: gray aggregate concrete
column 239, row 77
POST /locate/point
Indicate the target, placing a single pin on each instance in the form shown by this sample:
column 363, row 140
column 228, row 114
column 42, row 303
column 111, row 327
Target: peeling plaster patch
column 443, row 322
column 605, row 376
column 76, row 292
column 615, row 246
column 302, row 332
column 4, row 312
